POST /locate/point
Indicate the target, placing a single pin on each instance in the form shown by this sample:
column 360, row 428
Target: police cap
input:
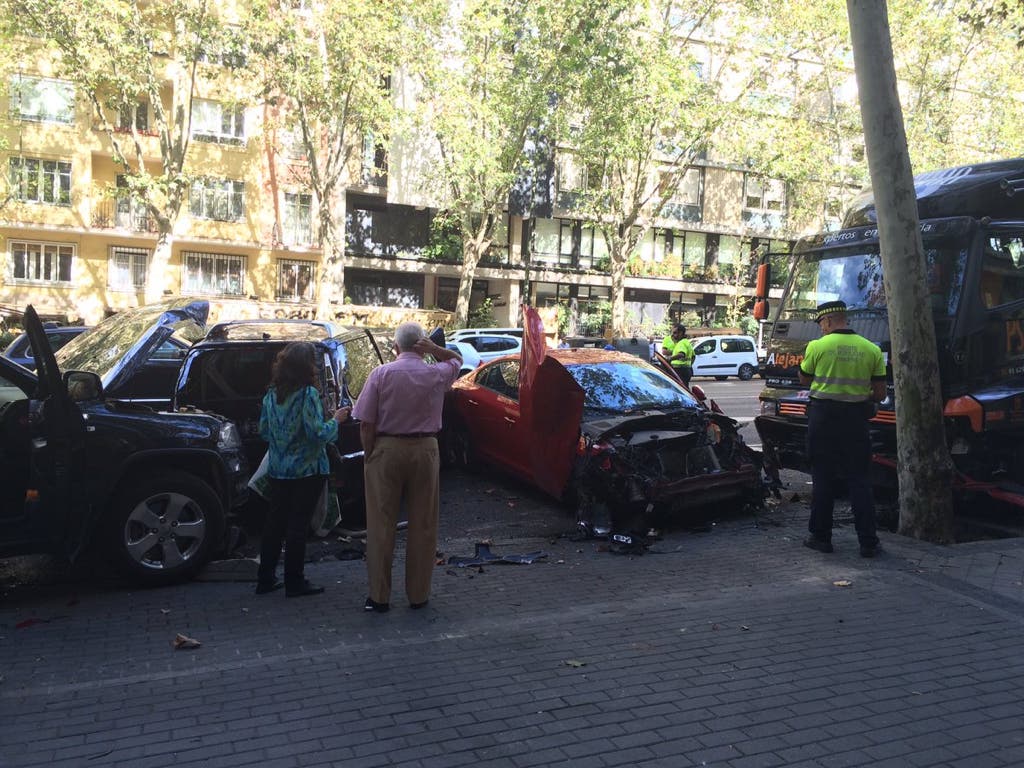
column 829, row 308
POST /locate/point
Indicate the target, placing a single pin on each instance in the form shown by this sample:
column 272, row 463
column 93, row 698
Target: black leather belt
column 408, row 434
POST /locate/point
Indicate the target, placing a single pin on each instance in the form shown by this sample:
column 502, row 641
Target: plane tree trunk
column 924, row 465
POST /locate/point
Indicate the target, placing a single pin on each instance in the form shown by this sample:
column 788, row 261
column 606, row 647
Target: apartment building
column 77, row 244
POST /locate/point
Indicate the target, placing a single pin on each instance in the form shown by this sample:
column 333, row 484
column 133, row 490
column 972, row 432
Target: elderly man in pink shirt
column 400, row 414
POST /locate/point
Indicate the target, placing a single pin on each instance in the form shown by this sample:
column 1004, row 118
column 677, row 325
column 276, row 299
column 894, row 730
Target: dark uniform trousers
column 402, row 468
column 839, row 446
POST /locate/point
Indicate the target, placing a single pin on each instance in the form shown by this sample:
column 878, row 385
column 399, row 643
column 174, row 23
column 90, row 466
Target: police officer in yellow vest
column 677, row 348
column 846, row 375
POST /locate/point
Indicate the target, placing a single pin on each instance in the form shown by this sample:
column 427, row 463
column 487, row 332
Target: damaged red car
column 628, row 445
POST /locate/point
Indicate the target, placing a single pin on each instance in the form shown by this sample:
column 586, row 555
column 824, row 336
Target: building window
column 684, row 202
column 41, row 262
column 384, row 289
column 572, row 174
column 131, row 212
column 290, row 144
column 764, row 195
column 219, row 199
column 764, row 202
column 34, row 180
column 133, row 116
column 127, row 268
column 213, row 273
column 296, row 280
column 42, row 99
column 375, row 161
column 448, row 293
column 298, row 219
column 216, row 122
column 227, row 50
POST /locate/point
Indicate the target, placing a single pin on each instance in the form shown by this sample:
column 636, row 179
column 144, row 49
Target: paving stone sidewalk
column 734, row 646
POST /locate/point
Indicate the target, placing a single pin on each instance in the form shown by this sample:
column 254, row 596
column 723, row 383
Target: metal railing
column 123, row 213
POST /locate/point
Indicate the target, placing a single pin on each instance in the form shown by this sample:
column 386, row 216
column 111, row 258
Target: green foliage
column 445, row 238
column 482, row 316
column 562, row 318
column 748, row 325
column 516, row 62
column 691, row 319
column 595, row 318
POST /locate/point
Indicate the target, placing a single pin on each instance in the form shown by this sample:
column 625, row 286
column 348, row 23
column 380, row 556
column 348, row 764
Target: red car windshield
column 624, row 387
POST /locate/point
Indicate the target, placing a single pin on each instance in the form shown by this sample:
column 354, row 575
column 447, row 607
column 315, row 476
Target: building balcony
column 124, row 214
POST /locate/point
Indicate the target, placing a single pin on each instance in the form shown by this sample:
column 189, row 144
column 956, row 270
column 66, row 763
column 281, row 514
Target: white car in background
column 470, row 358
column 725, row 356
column 463, row 333
column 489, row 345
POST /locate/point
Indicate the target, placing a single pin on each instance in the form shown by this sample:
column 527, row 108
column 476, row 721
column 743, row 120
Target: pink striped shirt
column 406, row 396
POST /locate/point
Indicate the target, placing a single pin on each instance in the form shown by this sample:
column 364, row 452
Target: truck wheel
column 163, row 529
column 746, row 372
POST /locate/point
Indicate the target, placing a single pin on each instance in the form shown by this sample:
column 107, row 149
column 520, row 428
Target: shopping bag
column 327, row 513
column 260, row 480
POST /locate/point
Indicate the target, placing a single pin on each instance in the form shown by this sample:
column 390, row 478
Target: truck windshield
column 854, row 275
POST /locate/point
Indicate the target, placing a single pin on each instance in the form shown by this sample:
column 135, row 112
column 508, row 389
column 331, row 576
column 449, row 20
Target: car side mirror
column 83, row 385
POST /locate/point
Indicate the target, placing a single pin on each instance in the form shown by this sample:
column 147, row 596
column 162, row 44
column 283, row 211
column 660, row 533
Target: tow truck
column 972, row 229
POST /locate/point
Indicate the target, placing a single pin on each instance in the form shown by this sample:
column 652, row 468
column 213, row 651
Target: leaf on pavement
column 185, row 643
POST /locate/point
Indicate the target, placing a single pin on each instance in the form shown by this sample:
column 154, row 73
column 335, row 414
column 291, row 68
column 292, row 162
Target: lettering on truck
column 784, row 359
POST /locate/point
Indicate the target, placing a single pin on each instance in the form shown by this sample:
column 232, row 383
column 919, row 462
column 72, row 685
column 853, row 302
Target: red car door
column 490, row 411
column 552, row 406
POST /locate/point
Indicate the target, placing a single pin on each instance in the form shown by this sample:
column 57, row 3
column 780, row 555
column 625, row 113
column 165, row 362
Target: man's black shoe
column 819, row 545
column 868, row 551
column 304, row 589
column 373, row 605
column 417, row 606
column 264, row 588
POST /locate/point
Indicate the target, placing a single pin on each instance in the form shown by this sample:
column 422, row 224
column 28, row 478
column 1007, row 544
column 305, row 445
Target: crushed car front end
column 651, row 469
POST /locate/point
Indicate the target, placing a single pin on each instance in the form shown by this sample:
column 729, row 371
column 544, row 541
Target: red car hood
column 551, row 406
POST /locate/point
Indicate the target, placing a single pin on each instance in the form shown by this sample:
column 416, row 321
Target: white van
column 725, row 356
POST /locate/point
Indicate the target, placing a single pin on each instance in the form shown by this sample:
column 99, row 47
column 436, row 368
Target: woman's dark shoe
column 417, row 606
column 266, row 587
column 306, row 588
column 819, row 545
column 373, row 605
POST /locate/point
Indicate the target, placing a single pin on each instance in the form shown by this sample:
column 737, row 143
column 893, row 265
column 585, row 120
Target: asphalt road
column 737, row 399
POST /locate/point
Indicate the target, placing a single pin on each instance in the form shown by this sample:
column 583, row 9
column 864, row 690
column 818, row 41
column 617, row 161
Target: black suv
column 81, row 472
column 228, row 373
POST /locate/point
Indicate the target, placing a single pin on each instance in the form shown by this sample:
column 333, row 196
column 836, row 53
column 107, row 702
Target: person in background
column 679, row 351
column 292, row 422
column 399, row 411
column 846, row 375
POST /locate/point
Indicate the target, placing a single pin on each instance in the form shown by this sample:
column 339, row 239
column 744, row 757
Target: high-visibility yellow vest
column 671, row 347
column 843, row 365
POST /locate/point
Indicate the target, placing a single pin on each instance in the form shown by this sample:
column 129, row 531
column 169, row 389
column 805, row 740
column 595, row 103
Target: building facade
column 77, row 244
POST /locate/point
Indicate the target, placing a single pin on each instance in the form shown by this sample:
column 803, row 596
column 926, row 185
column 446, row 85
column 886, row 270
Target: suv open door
column 57, row 432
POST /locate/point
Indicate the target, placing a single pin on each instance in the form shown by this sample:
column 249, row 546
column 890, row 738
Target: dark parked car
column 629, row 445
column 228, row 373
column 20, row 350
column 82, row 471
